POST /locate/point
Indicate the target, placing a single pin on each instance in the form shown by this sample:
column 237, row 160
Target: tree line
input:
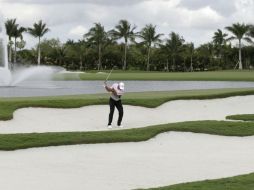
column 126, row 48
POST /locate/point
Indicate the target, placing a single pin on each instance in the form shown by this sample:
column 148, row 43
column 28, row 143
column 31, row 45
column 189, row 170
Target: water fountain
column 32, row 80
column 5, row 75
column 15, row 77
column 37, row 80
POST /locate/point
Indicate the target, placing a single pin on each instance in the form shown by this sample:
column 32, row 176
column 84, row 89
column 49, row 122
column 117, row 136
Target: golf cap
column 121, row 85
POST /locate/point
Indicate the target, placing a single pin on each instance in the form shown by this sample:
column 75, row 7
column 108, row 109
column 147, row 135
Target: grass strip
column 146, row 99
column 242, row 182
column 163, row 76
column 22, row 141
column 241, row 117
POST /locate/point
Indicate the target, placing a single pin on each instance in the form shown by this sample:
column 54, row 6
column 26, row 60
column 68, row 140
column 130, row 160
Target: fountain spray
column 4, row 68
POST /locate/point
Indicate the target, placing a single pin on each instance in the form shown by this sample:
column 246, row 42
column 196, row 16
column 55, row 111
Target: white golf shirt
column 118, row 91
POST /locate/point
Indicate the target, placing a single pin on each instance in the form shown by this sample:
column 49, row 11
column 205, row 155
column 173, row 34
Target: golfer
column 117, row 90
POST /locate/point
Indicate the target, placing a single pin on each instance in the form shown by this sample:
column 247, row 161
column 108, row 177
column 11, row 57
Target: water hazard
column 57, row 88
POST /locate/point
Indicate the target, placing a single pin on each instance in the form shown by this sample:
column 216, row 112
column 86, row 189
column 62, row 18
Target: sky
column 195, row 20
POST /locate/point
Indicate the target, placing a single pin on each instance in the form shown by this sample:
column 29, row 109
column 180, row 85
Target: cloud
column 244, row 12
column 223, row 7
column 78, row 31
column 195, row 20
column 99, row 2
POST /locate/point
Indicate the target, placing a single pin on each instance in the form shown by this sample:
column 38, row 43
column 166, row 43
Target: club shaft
column 109, row 75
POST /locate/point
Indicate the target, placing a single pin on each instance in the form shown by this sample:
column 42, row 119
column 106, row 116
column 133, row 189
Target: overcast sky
column 195, row 20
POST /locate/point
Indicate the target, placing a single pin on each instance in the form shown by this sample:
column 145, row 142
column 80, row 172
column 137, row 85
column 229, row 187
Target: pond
column 57, row 88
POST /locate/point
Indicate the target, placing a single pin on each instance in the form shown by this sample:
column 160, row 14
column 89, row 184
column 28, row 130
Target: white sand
column 94, row 118
column 170, row 158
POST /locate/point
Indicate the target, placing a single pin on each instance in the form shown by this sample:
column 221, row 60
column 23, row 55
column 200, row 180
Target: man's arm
column 110, row 89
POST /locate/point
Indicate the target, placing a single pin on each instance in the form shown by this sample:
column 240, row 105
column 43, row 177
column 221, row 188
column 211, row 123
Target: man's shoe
column 109, row 126
column 120, row 126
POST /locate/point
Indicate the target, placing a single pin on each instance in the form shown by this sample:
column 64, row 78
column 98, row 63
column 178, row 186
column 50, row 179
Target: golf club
column 109, row 74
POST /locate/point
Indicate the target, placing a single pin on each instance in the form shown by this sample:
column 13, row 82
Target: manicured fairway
column 22, row 141
column 174, row 76
column 243, row 182
column 146, row 99
column 244, row 117
column 19, row 141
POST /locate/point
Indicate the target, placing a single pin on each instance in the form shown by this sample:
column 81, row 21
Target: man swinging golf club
column 117, row 90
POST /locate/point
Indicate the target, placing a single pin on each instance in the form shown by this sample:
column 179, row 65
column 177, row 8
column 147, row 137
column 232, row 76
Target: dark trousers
column 119, row 106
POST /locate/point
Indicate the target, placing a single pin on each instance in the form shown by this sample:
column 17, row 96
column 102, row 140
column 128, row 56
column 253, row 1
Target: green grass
column 173, row 76
column 242, row 117
column 146, row 99
column 10, row 142
column 242, row 182
column 22, row 141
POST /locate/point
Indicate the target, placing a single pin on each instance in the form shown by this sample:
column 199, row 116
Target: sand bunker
column 169, row 158
column 94, row 118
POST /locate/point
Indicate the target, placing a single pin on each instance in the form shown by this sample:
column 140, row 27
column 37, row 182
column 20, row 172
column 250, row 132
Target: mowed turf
column 30, row 140
column 174, row 76
column 242, row 182
column 243, row 117
column 246, row 182
column 146, row 99
column 151, row 99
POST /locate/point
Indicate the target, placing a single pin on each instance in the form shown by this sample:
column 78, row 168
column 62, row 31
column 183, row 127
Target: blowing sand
column 169, row 158
column 94, row 118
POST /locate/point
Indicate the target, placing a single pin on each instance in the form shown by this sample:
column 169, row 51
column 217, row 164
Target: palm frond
column 38, row 30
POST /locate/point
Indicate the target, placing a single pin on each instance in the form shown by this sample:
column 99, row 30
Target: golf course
column 126, row 95
column 213, row 117
column 230, row 75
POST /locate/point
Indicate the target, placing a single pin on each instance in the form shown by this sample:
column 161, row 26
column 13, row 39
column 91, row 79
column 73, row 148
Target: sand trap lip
column 94, row 118
column 170, row 158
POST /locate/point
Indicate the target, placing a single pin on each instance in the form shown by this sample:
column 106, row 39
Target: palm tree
column 174, row 46
column 239, row 32
column 125, row 31
column 17, row 33
column 82, row 48
column 99, row 37
column 10, row 25
column 191, row 49
column 78, row 49
column 149, row 38
column 219, row 39
column 61, row 53
column 38, row 31
column 251, row 31
column 205, row 54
